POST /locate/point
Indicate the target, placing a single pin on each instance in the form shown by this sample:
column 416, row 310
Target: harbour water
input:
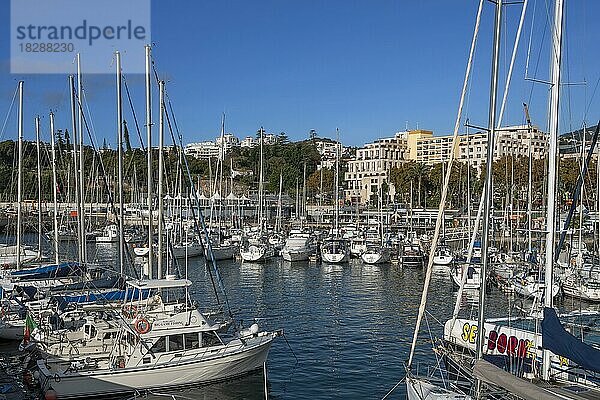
column 349, row 327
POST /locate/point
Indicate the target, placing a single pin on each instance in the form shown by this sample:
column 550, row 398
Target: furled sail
column 556, row 339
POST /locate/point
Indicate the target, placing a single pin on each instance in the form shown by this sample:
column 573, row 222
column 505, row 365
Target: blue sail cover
column 113, row 282
column 49, row 271
column 112, row 296
column 556, row 339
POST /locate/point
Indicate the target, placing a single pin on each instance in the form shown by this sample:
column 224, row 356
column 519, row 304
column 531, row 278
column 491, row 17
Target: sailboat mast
column 336, row 180
column 39, row 184
column 485, row 242
column 81, row 162
column 260, row 183
column 304, row 192
column 20, row 176
column 556, row 57
column 75, row 166
column 278, row 224
column 529, row 173
column 581, row 197
column 120, row 163
column 55, row 187
column 220, row 171
column 161, row 161
column 149, row 172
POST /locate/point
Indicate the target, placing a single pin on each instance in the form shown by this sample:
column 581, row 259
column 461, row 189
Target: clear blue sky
column 367, row 67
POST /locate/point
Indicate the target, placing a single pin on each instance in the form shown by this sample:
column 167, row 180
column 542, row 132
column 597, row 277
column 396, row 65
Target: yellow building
column 413, row 138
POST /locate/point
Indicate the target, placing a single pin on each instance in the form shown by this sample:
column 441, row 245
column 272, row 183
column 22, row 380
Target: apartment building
column 229, row 141
column 372, row 165
column 202, row 150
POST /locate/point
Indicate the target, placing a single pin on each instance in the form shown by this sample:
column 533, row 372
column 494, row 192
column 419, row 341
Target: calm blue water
column 349, row 326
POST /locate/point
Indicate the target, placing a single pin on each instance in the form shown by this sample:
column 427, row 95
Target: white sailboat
column 256, row 247
column 377, row 251
column 335, row 249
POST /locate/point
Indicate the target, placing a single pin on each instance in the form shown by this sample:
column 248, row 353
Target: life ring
column 142, row 326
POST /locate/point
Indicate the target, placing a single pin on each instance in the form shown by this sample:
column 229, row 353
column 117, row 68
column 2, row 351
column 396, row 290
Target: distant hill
column 570, row 142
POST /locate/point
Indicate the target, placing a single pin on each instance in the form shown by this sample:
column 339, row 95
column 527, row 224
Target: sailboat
column 15, row 256
column 256, row 246
column 378, row 251
column 334, row 249
column 524, row 357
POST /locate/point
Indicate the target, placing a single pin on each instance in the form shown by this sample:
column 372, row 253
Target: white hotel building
column 373, row 163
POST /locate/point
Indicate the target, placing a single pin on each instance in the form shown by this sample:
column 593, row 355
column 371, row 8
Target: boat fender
column 50, row 394
column 129, row 311
column 142, row 326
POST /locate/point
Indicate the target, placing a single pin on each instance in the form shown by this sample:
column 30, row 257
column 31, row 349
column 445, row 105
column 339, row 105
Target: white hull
column 224, row 252
column 443, row 260
column 376, row 257
column 126, row 380
column 256, row 253
column 193, row 250
column 335, row 258
column 531, row 289
column 420, row 389
column 582, row 292
column 297, row 254
column 141, row 251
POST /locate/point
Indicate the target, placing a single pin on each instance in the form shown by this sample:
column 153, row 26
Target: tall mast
column 54, row 188
column 120, row 163
column 20, row 176
column 75, row 165
column 491, row 139
column 260, row 183
column 321, row 194
column 149, row 172
column 304, row 192
column 555, row 60
column 336, row 180
column 161, row 160
column 220, row 170
column 278, row 224
column 39, row 184
column 81, row 162
column 529, row 173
